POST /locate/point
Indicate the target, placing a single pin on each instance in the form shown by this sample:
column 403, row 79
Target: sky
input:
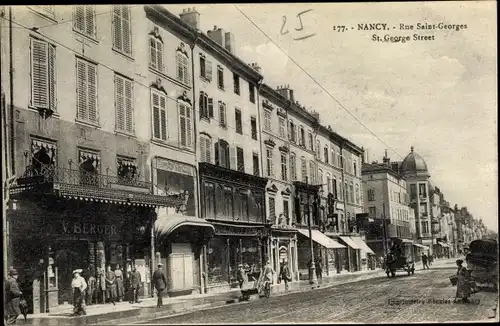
column 436, row 95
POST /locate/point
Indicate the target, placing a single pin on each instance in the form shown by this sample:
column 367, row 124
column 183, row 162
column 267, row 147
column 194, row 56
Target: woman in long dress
column 463, row 282
column 79, row 286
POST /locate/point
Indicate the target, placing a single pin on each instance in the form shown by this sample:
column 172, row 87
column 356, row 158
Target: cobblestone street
column 370, row 301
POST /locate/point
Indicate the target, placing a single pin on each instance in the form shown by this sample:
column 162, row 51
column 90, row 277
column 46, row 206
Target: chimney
column 315, row 115
column 191, row 17
column 386, row 159
column 218, row 36
column 287, row 92
column 256, row 67
column 229, row 45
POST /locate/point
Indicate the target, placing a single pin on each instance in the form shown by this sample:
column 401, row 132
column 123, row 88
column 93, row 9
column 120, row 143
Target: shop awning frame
column 349, row 242
column 363, row 245
column 321, row 239
column 166, row 224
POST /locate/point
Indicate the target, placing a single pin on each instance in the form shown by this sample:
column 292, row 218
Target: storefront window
column 217, row 261
column 250, row 257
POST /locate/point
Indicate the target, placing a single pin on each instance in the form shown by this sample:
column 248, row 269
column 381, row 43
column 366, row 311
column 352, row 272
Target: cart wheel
column 267, row 290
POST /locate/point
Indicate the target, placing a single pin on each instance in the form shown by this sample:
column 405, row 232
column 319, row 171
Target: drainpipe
column 11, row 86
column 259, row 134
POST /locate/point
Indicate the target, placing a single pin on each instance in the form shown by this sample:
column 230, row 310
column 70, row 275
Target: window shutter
column 156, row 114
column 127, row 44
column 52, row 77
column 203, row 112
column 210, row 107
column 129, row 107
column 159, row 55
column 120, row 107
column 182, row 123
column 152, row 53
column 79, row 19
column 81, row 75
column 39, row 73
column 222, row 114
column 92, row 92
column 188, row 126
column 117, row 28
column 208, row 69
column 90, row 23
column 185, row 66
column 203, row 149
column 216, row 153
column 178, row 59
column 163, row 116
column 232, row 158
column 209, row 150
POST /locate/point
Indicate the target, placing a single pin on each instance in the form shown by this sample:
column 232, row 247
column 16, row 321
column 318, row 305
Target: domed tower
column 414, row 169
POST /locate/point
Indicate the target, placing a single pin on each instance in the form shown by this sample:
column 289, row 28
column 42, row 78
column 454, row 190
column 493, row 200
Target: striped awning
column 321, row 239
column 350, row 242
column 362, row 245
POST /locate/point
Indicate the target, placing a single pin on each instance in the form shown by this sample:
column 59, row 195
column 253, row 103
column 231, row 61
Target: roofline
column 372, row 168
column 179, row 26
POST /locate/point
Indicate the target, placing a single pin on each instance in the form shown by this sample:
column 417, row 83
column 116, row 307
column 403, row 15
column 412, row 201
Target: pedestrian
column 78, row 286
column 91, row 286
column 319, row 270
column 135, row 285
column 119, row 283
column 111, row 286
column 268, row 273
column 241, row 275
column 160, row 283
column 424, row 261
column 12, row 297
column 285, row 274
column 463, row 283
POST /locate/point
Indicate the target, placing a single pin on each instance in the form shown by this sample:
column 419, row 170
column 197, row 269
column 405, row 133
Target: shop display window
column 216, row 261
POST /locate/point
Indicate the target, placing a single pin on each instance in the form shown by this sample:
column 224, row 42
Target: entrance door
column 69, row 255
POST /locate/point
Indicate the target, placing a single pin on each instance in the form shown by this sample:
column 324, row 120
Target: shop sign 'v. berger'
column 89, row 229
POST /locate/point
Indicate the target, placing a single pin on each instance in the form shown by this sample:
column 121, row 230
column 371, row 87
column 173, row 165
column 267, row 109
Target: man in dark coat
column 12, row 298
column 135, row 285
column 160, row 283
column 424, row 261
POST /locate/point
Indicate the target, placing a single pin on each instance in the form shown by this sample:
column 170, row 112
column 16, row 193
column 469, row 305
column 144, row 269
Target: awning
column 421, row 246
column 442, row 244
column 362, row 245
column 322, row 239
column 350, row 242
column 407, row 241
column 166, row 224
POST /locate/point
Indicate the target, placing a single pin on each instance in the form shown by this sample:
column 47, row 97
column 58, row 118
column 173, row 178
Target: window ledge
column 164, row 143
column 88, row 123
column 34, row 109
column 92, row 38
column 223, row 126
column 124, row 133
column 43, row 13
column 127, row 56
column 160, row 72
column 221, row 88
column 205, row 79
column 205, row 119
column 182, row 83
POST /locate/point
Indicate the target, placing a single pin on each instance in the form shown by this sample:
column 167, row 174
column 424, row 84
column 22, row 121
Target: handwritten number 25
column 300, row 21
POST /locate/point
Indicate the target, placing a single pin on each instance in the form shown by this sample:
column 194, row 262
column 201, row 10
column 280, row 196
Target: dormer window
column 156, row 50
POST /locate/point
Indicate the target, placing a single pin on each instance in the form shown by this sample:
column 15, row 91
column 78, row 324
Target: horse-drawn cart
column 482, row 261
column 398, row 262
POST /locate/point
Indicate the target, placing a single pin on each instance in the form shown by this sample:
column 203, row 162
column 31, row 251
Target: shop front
column 366, row 253
column 284, row 250
column 353, row 261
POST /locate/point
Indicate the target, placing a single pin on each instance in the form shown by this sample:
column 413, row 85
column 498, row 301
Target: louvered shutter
column 92, row 92
column 210, row 107
column 188, row 127
column 222, row 114
column 79, row 19
column 127, row 44
column 182, row 124
column 159, row 54
column 156, row 114
column 203, row 149
column 52, row 77
column 117, row 28
column 208, row 69
column 119, row 98
column 203, row 108
column 89, row 20
column 232, row 157
column 216, row 153
column 152, row 53
column 129, row 107
column 209, row 150
column 178, row 59
column 39, row 74
column 81, row 73
column 163, row 116
column 185, row 66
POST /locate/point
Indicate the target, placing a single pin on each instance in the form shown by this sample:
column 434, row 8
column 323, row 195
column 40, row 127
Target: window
column 84, row 20
column 318, row 150
column 182, row 61
column 237, row 118
column 253, row 124
column 312, row 172
column 339, row 160
column 372, row 211
column 286, row 211
column 220, row 77
column 302, row 139
column 209, row 195
column 269, row 158
column 413, row 191
column 205, row 148
column 222, row 114
column 89, row 167
column 272, row 209
column 236, row 83
column 332, row 157
column 423, row 209
column 205, row 68
column 311, row 141
column 124, row 104
column 267, row 120
column 222, row 153
column 185, row 124
column 281, row 122
column 422, row 190
column 156, row 53
column 251, row 90
column 291, row 132
column 127, row 171
column 43, row 155
column 425, row 227
column 159, row 103
column 43, row 75
column 86, row 74
column 320, row 177
column 340, row 191
column 206, row 106
column 325, row 152
column 121, row 29
column 357, row 194
column 284, row 172
column 328, row 184
column 303, row 168
column 371, row 195
column 255, row 159
column 335, row 192
column 48, row 10
column 240, row 158
column 355, row 170
column 293, row 167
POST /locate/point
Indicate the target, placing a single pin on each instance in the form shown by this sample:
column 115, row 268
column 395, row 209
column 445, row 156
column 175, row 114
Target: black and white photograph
column 249, row 163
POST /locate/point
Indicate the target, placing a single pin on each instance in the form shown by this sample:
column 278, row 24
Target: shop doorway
column 69, row 255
